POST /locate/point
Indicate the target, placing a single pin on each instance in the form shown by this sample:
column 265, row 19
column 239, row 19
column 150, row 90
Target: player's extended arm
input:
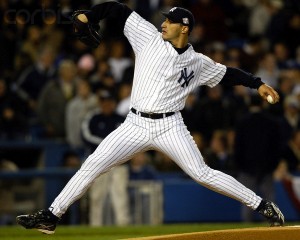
column 105, row 10
column 236, row 76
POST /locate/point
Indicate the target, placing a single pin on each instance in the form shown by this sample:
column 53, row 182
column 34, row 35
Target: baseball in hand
column 270, row 99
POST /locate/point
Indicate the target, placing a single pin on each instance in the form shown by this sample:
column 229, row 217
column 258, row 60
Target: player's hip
column 159, row 121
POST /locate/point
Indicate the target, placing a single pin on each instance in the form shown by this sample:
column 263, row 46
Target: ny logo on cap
column 185, row 21
column 172, row 9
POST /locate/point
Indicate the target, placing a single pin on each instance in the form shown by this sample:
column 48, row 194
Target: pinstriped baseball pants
column 168, row 135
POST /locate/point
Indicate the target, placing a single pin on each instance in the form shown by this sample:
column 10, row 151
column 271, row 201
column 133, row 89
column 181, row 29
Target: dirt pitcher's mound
column 260, row 233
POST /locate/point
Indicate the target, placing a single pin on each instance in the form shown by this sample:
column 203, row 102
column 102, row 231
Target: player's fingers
column 275, row 96
column 270, row 91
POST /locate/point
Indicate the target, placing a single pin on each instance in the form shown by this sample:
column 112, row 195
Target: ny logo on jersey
column 185, row 77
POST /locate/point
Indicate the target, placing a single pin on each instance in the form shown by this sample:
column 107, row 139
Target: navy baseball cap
column 181, row 15
column 105, row 95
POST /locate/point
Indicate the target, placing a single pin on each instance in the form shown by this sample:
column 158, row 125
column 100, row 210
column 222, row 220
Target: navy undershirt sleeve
column 236, row 76
column 109, row 10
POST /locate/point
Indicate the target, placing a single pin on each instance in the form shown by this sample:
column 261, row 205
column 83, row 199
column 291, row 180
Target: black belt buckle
column 155, row 115
column 152, row 115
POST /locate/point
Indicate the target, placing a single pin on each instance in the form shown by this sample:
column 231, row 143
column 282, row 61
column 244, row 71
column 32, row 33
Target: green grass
column 111, row 233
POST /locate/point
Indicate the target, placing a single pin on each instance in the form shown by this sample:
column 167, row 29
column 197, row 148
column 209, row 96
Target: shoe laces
column 268, row 211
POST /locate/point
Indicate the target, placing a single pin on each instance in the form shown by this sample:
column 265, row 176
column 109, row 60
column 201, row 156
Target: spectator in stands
column 282, row 172
column 13, row 123
column 32, row 42
column 213, row 18
column 54, row 98
column 140, row 172
column 282, row 55
column 232, row 57
column 127, row 76
column 197, row 37
column 96, row 126
column 124, row 99
column 291, row 153
column 190, row 111
column 216, row 51
column 163, row 163
column 85, row 66
column 292, row 33
column 260, row 16
column 140, row 168
column 200, row 141
column 237, row 104
column 251, row 52
column 22, row 61
column 290, row 120
column 268, row 70
column 8, row 39
column 256, row 152
column 101, row 52
column 286, row 87
column 71, row 160
column 230, row 135
column 211, row 112
column 297, row 58
column 7, row 198
column 118, row 61
column 102, row 79
column 277, row 26
column 77, row 109
column 218, row 156
column 34, row 78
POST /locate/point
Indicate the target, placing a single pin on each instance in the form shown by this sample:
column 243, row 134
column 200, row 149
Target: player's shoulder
column 199, row 57
column 206, row 59
column 192, row 51
column 136, row 22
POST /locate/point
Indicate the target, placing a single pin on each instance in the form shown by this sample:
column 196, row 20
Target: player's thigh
column 118, row 147
column 180, row 146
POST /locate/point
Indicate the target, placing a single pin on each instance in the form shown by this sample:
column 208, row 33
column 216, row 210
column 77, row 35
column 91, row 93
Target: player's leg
column 116, row 148
column 184, row 152
column 179, row 145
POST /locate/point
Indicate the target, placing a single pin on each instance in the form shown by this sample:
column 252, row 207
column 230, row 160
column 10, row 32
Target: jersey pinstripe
column 159, row 68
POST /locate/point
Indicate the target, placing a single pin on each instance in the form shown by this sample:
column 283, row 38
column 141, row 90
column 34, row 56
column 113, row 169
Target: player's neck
column 181, row 50
column 180, row 42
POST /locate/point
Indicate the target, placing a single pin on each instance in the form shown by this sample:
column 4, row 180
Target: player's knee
column 204, row 174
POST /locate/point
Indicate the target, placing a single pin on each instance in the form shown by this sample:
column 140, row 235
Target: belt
column 152, row 115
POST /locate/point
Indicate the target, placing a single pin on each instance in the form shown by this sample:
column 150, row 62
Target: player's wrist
column 258, row 82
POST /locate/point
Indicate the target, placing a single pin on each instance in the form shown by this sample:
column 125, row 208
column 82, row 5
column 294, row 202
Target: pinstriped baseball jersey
column 163, row 78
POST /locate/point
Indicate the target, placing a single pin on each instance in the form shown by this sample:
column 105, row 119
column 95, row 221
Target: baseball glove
column 88, row 33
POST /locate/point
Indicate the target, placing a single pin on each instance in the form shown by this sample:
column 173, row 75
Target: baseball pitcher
column 167, row 69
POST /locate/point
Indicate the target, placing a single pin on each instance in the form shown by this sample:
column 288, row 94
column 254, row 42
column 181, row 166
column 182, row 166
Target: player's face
column 170, row 30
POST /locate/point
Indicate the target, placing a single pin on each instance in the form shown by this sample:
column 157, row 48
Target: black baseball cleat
column 271, row 212
column 43, row 220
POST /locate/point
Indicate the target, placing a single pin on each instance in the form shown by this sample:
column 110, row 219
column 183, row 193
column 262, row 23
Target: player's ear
column 185, row 29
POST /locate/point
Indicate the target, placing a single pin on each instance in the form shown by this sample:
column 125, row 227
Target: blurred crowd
column 51, row 85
